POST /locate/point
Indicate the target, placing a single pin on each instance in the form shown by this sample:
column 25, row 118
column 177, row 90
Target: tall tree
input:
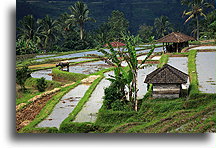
column 118, row 24
column 196, row 9
column 162, row 26
column 28, row 28
column 145, row 32
column 80, row 15
column 48, row 32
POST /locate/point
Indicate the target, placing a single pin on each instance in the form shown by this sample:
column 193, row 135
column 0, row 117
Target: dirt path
column 28, row 113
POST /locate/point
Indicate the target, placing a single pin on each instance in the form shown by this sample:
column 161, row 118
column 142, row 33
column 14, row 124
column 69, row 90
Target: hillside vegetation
column 138, row 12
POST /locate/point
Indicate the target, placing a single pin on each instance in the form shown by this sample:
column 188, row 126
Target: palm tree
column 196, row 9
column 47, row 31
column 162, row 26
column 79, row 14
column 27, row 29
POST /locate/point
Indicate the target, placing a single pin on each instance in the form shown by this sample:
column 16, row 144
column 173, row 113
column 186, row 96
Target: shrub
column 21, row 76
column 41, row 84
column 112, row 94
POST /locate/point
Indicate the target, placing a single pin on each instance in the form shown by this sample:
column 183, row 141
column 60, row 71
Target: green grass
column 193, row 88
column 163, row 60
column 66, row 76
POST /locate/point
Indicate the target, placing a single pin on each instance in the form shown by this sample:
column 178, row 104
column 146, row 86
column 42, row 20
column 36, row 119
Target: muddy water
column 65, row 106
column 91, row 108
column 181, row 63
column 206, row 71
column 42, row 73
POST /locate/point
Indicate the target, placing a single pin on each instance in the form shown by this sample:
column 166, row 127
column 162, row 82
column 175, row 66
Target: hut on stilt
column 175, row 41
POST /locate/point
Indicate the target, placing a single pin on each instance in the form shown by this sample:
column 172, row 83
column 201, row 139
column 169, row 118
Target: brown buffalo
column 63, row 64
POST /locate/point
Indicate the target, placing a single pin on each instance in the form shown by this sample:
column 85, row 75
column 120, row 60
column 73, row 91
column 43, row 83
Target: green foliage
column 118, row 24
column 80, row 15
column 163, row 60
column 21, row 76
column 41, row 84
column 145, row 32
column 162, row 26
column 196, row 9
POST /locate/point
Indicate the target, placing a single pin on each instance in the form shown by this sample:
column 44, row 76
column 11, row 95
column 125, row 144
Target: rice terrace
column 93, row 67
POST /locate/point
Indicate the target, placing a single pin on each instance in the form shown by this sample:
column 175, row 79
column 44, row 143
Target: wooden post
column 177, row 47
column 163, row 47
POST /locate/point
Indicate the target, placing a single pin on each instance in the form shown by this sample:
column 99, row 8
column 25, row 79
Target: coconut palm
column 27, row 29
column 47, row 32
column 80, row 15
column 196, row 9
column 162, row 26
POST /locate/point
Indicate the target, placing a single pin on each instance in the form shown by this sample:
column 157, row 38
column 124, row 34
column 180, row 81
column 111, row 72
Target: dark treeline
column 69, row 30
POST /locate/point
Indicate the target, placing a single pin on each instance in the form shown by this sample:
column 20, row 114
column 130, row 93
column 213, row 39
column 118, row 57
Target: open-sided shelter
column 166, row 82
column 175, row 41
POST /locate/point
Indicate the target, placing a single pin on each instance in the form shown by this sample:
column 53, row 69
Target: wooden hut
column 175, row 41
column 166, row 82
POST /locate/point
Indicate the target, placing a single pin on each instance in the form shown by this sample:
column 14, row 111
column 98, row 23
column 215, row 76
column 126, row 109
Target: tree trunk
column 135, row 91
column 197, row 19
column 81, row 31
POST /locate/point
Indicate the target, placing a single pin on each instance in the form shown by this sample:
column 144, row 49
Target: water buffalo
column 63, row 64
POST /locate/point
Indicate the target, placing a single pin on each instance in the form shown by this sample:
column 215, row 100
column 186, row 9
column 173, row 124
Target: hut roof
column 115, row 44
column 167, row 74
column 175, row 37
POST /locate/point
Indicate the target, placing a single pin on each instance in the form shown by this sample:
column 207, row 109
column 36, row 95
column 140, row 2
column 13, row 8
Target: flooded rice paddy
column 206, row 71
column 83, row 68
column 142, row 73
column 181, row 63
column 92, row 106
column 203, row 47
column 42, row 73
column 65, row 106
column 94, row 52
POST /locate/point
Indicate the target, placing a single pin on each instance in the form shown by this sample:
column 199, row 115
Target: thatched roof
column 167, row 74
column 115, row 44
column 175, row 37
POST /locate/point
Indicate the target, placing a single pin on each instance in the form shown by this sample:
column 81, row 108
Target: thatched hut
column 166, row 82
column 175, row 41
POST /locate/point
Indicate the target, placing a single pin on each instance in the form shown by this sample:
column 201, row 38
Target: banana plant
column 127, row 76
